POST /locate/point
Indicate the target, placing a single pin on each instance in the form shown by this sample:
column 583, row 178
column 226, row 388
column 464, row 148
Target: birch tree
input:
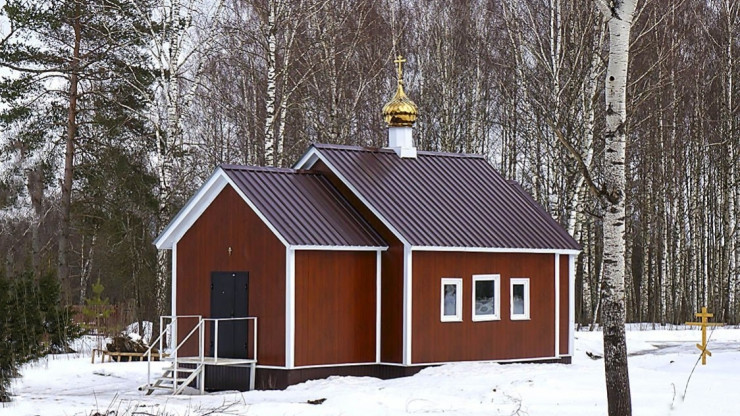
column 179, row 51
column 618, row 15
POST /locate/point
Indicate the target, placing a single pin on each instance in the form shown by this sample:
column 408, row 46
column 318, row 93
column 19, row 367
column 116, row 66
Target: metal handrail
column 148, row 352
column 215, row 337
column 172, row 328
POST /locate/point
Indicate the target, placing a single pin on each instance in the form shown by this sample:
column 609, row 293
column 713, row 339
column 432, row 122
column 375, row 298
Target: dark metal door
column 229, row 299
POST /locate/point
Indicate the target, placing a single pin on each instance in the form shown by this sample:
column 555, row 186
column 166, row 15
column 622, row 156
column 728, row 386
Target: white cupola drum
column 400, row 114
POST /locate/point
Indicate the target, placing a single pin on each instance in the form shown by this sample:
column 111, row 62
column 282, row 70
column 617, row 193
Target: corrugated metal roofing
column 303, row 207
column 447, row 200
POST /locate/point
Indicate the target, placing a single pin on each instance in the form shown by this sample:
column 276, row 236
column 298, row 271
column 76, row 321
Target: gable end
column 197, row 204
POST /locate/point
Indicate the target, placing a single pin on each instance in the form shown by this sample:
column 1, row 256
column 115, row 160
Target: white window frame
column 458, row 282
column 496, row 279
column 525, row 282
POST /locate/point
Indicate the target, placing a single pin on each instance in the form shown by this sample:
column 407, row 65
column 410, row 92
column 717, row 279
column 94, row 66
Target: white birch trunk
column 86, row 254
column 271, row 97
column 166, row 145
column 619, row 15
column 731, row 12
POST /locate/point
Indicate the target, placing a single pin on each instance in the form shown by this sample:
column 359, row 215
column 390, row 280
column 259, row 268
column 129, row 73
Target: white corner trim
column 192, row 210
column 571, row 302
column 494, row 250
column 557, row 305
column 289, row 308
column 378, row 305
column 407, row 305
column 174, row 279
column 313, row 155
column 339, row 248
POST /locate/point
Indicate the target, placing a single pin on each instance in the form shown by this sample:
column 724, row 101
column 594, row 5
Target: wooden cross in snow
column 703, row 324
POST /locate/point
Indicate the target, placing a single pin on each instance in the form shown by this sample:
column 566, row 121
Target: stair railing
column 215, row 337
column 172, row 329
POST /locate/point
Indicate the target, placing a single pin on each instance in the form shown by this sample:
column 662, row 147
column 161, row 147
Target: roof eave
column 337, row 248
column 566, row 251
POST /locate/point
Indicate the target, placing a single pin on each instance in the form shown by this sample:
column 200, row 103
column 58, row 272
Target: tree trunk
column 69, row 153
column 618, row 14
column 271, row 157
column 167, row 146
column 35, row 187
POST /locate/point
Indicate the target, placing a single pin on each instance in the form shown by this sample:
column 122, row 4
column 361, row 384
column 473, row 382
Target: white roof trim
column 339, row 248
column 196, row 205
column 308, row 160
column 191, row 211
column 496, row 250
column 313, row 155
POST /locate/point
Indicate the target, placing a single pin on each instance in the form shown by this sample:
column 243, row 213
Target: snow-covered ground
column 660, row 364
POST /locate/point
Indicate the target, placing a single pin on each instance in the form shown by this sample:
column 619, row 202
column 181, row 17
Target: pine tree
column 82, row 77
column 97, row 309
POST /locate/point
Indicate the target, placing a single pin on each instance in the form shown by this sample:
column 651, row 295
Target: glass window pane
column 450, row 300
column 518, row 299
column 484, row 297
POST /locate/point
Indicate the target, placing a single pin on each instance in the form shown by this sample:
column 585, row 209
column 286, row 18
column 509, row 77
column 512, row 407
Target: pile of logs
column 124, row 343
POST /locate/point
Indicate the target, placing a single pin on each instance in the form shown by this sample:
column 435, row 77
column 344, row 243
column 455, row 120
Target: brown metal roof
column 447, row 200
column 303, row 207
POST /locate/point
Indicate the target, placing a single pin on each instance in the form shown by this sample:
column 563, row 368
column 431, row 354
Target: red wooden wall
column 391, row 339
column 435, row 341
column 229, row 222
column 335, row 307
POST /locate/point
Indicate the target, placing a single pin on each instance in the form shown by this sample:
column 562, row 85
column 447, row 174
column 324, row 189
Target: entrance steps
column 173, row 379
column 185, row 371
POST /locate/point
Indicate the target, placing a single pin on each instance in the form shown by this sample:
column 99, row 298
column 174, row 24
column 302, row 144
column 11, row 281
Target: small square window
column 451, row 300
column 486, row 297
column 519, row 299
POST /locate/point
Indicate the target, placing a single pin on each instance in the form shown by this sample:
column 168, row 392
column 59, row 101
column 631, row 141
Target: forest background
column 112, row 113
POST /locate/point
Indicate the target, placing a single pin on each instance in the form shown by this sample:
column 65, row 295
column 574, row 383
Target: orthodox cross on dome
column 703, row 324
column 400, row 62
column 400, row 111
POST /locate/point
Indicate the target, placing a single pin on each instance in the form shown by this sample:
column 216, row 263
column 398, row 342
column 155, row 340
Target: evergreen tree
column 83, row 76
column 32, row 324
column 59, row 329
column 8, row 364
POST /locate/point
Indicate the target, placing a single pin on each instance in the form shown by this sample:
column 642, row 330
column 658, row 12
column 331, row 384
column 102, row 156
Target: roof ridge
column 388, row 150
column 450, row 154
column 268, row 169
column 344, row 147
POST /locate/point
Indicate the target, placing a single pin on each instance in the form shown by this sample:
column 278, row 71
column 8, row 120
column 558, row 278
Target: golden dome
column 400, row 110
